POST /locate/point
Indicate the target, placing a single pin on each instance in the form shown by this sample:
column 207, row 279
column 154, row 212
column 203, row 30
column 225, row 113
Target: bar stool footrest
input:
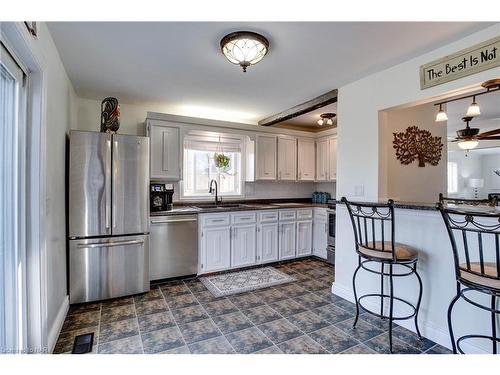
column 467, row 337
column 386, row 316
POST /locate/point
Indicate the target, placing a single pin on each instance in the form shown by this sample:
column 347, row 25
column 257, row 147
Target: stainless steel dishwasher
column 173, row 246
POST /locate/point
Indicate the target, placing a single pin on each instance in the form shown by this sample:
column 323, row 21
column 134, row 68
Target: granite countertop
column 425, row 206
column 193, row 208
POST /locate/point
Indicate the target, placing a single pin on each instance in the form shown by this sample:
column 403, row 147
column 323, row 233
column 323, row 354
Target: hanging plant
column 221, row 161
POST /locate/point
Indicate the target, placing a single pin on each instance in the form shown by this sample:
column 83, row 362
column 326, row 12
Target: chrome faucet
column 211, row 191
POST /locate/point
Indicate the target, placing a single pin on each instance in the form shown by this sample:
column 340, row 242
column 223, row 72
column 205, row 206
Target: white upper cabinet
column 326, row 159
column 321, row 159
column 265, row 157
column 332, row 159
column 164, row 151
column 287, row 159
column 305, row 159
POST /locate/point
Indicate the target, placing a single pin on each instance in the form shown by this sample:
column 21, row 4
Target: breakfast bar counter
column 421, row 226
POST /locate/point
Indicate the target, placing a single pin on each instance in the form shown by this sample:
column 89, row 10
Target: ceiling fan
column 468, row 138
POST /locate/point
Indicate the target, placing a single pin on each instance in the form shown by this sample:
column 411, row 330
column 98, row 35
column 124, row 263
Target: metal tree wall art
column 417, row 144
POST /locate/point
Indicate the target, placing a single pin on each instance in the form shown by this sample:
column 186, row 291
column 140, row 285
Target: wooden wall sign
column 468, row 61
column 417, row 144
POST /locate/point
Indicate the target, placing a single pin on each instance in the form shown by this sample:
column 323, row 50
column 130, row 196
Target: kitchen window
column 200, row 167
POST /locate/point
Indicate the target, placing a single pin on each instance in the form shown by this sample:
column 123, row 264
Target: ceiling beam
column 298, row 110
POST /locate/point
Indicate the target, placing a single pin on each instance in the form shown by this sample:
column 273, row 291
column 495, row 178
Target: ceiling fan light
column 321, row 122
column 441, row 115
column 468, row 145
column 473, row 109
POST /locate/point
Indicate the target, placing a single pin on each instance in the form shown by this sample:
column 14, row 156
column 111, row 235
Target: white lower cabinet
column 243, row 245
column 267, row 242
column 287, row 243
column 242, row 239
column 215, row 249
column 320, row 232
column 304, row 238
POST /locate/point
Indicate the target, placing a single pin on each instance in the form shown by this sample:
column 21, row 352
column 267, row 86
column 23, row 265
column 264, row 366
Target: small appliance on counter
column 161, row 197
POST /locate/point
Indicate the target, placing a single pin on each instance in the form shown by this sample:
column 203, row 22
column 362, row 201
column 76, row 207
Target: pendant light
column 473, row 109
column 441, row 115
column 244, row 48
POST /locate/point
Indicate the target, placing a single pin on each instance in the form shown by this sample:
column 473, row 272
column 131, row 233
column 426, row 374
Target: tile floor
column 184, row 317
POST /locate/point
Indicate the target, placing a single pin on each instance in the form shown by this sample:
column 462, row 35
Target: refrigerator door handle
column 115, row 179
column 109, row 244
column 172, row 221
column 108, row 186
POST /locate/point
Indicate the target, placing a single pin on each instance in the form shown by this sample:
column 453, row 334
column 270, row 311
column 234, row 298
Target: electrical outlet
column 359, row 190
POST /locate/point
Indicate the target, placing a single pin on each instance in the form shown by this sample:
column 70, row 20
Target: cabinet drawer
column 320, row 213
column 244, row 218
column 305, row 213
column 288, row 215
column 215, row 220
column 268, row 216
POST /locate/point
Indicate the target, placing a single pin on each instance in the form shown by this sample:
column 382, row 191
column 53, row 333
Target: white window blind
column 12, row 256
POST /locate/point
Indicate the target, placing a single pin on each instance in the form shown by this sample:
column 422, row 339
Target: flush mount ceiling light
column 244, row 48
column 326, row 118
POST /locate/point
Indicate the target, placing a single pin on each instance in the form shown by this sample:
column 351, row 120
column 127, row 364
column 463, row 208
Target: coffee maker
column 161, row 197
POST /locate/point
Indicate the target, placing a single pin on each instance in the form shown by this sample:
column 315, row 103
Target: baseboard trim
column 55, row 330
column 428, row 330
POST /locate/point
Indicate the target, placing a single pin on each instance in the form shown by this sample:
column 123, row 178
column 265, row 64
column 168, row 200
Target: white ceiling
column 179, row 64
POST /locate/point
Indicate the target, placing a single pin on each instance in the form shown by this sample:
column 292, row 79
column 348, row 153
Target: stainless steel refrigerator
column 108, row 215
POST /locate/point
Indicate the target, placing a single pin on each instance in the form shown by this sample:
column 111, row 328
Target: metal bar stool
column 374, row 235
column 475, row 241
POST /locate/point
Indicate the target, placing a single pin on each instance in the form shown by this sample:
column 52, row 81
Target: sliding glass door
column 12, row 198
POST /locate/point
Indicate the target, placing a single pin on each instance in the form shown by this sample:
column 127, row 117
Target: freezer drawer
column 174, row 246
column 108, row 267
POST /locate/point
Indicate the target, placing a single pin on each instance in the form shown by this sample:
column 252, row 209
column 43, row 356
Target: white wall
column 60, row 103
column 468, row 166
column 358, row 149
column 410, row 182
column 57, row 99
column 490, row 163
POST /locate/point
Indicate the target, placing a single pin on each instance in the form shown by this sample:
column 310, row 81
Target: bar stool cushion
column 490, row 269
column 403, row 252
